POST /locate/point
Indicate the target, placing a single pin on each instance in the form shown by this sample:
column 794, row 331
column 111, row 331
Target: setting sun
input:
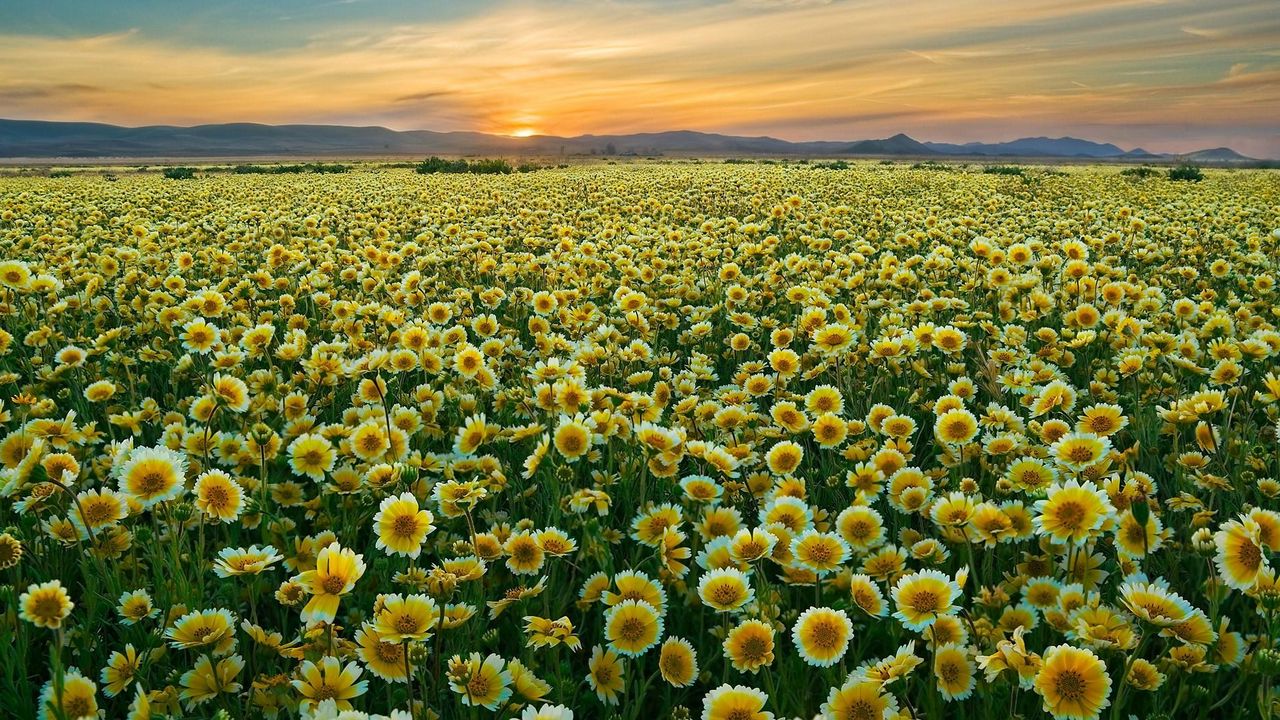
column 524, row 132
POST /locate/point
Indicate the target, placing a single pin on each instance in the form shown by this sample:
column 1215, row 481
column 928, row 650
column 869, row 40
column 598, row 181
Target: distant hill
column 1220, row 154
column 40, row 139
column 1068, row 147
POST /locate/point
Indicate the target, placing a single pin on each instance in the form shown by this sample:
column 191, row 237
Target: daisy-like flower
column 401, row 618
column 605, row 676
column 1077, row 451
column 1073, row 683
column 480, row 681
column 749, row 646
column 207, row 680
column 219, row 496
column 1239, row 556
column 152, row 475
column 1072, row 513
column 45, row 604
column 859, row 699
column 212, row 629
column 632, row 627
column 921, row 597
column 78, row 698
column 725, row 589
column 678, row 662
column 382, row 657
column 312, row 455
column 819, row 552
column 822, row 635
column 1155, row 603
column 954, row 672
column 329, row 679
column 735, row 702
column 336, row 572
column 401, row 525
column 245, row 561
column 136, row 606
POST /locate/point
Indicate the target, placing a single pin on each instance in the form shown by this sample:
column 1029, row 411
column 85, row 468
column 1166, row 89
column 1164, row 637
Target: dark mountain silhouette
column 40, row 139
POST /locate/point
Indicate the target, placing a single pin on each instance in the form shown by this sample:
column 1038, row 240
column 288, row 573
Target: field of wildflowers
column 735, row 442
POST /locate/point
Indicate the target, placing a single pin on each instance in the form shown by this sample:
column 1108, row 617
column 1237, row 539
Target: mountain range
column 41, row 139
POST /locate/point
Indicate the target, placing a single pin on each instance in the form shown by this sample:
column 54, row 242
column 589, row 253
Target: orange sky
column 1170, row 76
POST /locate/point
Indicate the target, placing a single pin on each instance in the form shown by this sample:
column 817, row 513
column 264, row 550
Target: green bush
column 1139, row 172
column 180, row 173
column 1186, row 172
column 1003, row 170
column 484, row 167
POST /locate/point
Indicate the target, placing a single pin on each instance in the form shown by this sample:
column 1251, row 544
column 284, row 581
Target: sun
column 524, row 132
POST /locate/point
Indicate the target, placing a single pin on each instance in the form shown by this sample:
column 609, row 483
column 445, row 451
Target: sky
column 1166, row 75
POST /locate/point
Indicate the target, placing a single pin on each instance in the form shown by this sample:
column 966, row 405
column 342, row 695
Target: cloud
column 942, row 69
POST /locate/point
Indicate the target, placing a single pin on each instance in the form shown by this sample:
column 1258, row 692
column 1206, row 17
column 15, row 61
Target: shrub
column 1186, row 172
column 485, row 166
column 1139, row 172
column 1003, row 170
column 180, row 173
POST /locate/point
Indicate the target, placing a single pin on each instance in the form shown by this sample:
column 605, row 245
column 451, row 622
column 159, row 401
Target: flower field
column 668, row 440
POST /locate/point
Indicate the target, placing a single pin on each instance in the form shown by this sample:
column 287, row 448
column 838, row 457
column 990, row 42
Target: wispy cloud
column 943, row 69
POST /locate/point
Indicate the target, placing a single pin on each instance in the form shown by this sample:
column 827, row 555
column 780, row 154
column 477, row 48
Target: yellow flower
column 401, row 525
column 922, row 597
column 1073, row 683
column 206, row 681
column 245, row 561
column 401, row 618
column 1154, row 603
column 749, row 646
column 525, row 555
column 678, row 662
column 822, row 635
column 543, row 632
column 955, row 427
column 748, row 546
column 633, row 585
column 311, row 455
column 784, row 457
column 1239, row 554
column 573, row 437
column 725, row 589
column 152, row 475
column 1072, row 512
column 605, row 675
column 866, row 594
column 819, row 552
column 1079, row 451
column 120, row 670
column 219, row 496
column 336, row 572
column 632, row 627
column 369, row 441
column 480, row 681
column 135, row 606
column 215, row 629
column 45, row 604
column 329, row 679
column 859, row 699
column 382, row 657
column 78, row 698
column 954, row 672
column 735, row 702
